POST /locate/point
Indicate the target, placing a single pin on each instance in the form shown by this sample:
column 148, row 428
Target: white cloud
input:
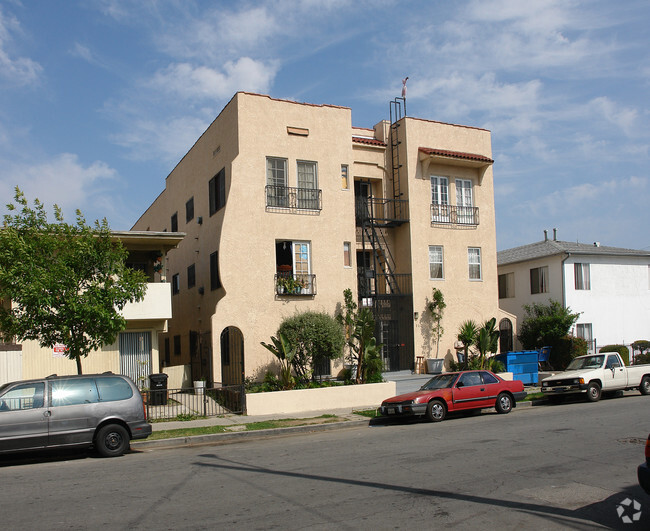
column 202, row 82
column 15, row 71
column 62, row 180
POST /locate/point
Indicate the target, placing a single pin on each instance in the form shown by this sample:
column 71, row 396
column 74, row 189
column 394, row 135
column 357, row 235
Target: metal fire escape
column 389, row 292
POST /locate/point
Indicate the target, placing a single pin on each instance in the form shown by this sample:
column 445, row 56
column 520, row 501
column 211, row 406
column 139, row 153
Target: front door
column 614, row 375
column 23, row 417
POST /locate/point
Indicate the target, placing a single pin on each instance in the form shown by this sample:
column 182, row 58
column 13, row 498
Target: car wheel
column 504, row 403
column 436, row 411
column 593, row 392
column 112, row 440
column 645, row 385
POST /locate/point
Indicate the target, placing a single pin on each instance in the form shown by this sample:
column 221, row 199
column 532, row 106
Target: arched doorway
column 232, row 356
column 505, row 336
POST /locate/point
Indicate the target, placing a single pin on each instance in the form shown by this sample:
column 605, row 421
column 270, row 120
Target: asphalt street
column 571, row 466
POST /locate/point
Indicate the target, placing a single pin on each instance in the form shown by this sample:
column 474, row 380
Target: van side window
column 27, row 396
column 73, row 392
column 111, row 388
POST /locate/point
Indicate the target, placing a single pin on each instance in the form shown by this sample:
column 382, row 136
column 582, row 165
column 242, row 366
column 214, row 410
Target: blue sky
column 99, row 99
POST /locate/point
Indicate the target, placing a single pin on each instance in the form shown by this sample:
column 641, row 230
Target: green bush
column 565, row 349
column 313, row 336
column 621, row 349
column 640, row 359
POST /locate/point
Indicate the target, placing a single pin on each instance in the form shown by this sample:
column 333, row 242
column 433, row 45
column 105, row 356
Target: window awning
column 429, row 156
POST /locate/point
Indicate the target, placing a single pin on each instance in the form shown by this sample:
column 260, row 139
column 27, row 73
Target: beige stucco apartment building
column 135, row 351
column 285, row 205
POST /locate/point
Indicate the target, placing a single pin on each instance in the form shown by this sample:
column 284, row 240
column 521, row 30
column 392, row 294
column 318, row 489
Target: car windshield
column 588, row 362
column 442, row 381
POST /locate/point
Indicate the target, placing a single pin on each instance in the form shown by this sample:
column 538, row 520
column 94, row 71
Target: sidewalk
column 406, row 381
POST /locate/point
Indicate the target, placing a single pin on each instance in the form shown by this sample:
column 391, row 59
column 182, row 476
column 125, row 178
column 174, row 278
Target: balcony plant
column 288, row 284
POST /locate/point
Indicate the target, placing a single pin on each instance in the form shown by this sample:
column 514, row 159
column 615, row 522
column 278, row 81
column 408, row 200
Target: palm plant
column 285, row 353
column 467, row 336
column 487, row 340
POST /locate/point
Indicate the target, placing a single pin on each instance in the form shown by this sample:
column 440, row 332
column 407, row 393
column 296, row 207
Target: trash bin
column 158, row 389
column 434, row 365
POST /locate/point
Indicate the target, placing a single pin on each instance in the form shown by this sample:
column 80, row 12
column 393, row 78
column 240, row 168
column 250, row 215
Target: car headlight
column 544, row 384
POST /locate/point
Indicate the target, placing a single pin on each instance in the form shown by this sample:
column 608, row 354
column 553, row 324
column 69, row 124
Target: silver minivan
column 101, row 410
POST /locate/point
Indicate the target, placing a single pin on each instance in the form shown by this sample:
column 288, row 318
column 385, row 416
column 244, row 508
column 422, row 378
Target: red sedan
column 456, row 391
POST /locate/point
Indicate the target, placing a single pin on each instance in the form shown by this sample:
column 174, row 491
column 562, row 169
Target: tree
column 66, row 283
column 313, row 336
column 359, row 329
column 487, row 340
column 436, row 308
column 545, row 324
column 282, row 350
column 467, row 336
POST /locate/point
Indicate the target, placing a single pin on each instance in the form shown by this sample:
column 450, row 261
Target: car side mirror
column 460, row 384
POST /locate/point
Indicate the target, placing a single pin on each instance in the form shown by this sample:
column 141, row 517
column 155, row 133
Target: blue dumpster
column 523, row 365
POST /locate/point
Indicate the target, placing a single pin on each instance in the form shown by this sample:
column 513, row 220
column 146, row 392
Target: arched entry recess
column 232, row 356
column 505, row 336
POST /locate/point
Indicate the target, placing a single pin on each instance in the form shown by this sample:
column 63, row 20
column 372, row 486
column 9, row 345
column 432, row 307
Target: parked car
column 596, row 373
column 643, row 472
column 456, row 391
column 101, row 410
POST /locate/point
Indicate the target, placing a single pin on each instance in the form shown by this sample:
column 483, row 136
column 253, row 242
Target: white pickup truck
column 595, row 374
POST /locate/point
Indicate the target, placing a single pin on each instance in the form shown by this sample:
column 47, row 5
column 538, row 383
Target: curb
column 232, row 437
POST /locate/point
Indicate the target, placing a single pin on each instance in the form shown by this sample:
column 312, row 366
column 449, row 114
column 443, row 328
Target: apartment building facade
column 135, row 352
column 285, row 205
column 608, row 286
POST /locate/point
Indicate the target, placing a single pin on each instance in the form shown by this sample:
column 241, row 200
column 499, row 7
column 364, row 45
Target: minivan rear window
column 111, row 389
column 73, row 392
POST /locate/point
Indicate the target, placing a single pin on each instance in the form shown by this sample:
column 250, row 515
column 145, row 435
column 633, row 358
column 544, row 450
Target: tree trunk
column 78, row 360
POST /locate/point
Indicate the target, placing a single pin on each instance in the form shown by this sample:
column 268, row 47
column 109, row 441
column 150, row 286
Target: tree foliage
column 545, row 324
column 282, row 349
column 436, row 307
column 363, row 350
column 66, row 283
column 312, row 336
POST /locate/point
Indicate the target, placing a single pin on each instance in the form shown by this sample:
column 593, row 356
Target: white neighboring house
column 609, row 286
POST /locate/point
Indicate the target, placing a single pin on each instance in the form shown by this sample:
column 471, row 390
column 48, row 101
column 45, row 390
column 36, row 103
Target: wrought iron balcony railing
column 454, row 215
column 295, row 284
column 290, row 198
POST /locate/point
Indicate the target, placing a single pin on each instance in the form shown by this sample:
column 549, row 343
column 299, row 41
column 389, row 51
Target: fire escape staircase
column 376, row 215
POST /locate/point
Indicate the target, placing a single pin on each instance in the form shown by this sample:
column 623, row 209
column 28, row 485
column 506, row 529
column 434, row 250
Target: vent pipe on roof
column 596, row 244
column 545, row 235
column 554, row 235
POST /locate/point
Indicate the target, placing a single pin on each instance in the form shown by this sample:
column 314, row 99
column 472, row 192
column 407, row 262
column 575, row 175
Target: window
column 436, row 262
column 293, row 268
column 25, row 396
column 582, row 276
column 464, row 202
column 307, row 193
column 174, row 222
column 539, row 280
column 347, row 254
column 167, row 351
column 191, row 276
column 217, row 191
column 474, row 262
column 584, row 331
column 507, row 286
column 345, row 183
column 215, row 281
column 176, row 284
column 74, row 392
column 469, row 379
column 488, row 378
column 277, row 194
column 111, row 389
column 177, row 345
column 440, row 199
column 189, row 210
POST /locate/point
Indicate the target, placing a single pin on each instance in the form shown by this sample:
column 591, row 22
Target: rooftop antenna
column 404, row 92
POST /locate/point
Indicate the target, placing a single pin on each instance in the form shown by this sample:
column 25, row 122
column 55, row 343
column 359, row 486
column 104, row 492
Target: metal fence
column 170, row 404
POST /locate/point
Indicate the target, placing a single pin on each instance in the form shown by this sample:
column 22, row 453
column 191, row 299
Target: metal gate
column 135, row 357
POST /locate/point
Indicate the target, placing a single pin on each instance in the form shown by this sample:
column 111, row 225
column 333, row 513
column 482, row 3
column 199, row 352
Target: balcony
column 157, row 304
column 294, row 200
column 381, row 211
column 288, row 284
column 454, row 215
